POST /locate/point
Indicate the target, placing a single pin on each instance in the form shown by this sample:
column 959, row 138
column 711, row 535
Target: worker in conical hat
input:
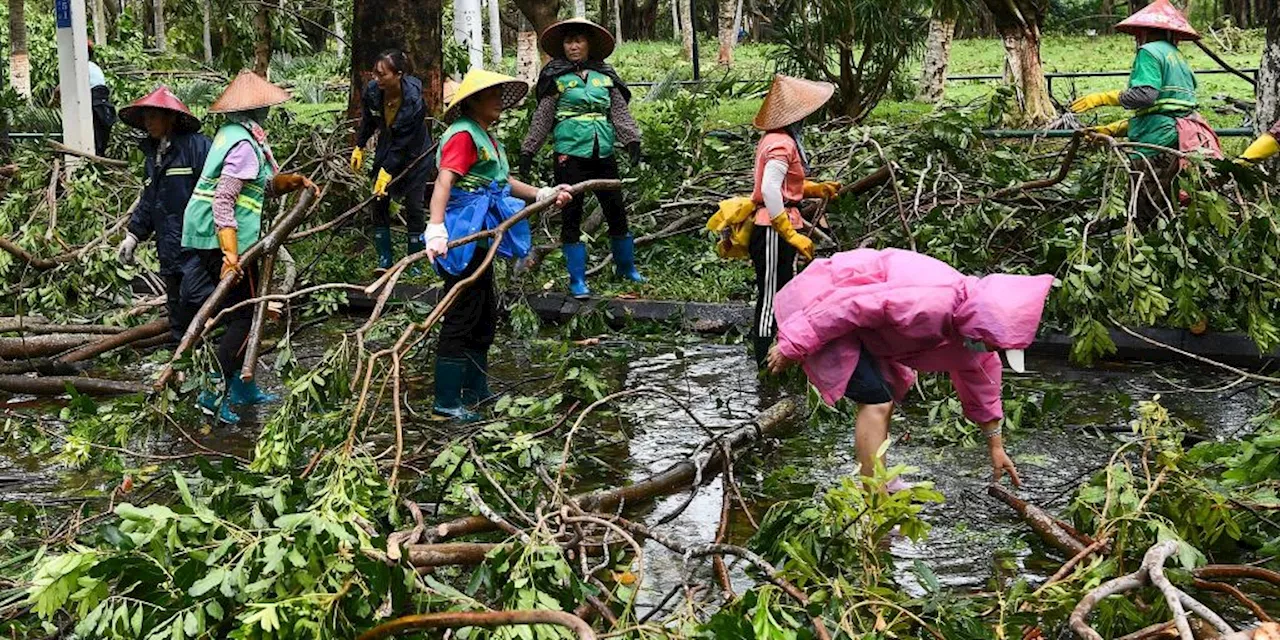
column 1162, row 96
column 582, row 105
column 175, row 153
column 781, row 169
column 224, row 217
column 474, row 191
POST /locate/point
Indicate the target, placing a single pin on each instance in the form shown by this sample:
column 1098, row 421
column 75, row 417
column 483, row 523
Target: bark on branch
column 486, row 619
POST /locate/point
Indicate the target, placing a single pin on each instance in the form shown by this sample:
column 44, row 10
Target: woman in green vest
column 582, row 104
column 474, row 192
column 1162, row 95
column 224, row 217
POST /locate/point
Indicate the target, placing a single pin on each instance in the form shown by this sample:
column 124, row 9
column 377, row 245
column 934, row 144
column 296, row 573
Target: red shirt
column 459, row 153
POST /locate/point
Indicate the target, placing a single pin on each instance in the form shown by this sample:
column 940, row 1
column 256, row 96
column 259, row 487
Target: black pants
column 470, row 323
column 1152, row 180
column 180, row 313
column 413, row 199
column 572, row 170
column 200, row 277
column 774, row 262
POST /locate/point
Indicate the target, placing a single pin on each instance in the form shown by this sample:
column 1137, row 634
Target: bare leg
column 871, row 429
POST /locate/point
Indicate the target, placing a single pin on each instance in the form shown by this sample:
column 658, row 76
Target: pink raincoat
column 912, row 312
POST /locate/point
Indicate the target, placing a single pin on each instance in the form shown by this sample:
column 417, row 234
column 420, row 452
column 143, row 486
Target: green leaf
column 208, row 582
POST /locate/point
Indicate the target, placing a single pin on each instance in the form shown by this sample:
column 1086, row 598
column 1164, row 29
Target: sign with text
column 62, row 13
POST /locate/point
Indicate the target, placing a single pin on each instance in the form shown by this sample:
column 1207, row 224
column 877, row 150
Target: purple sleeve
column 224, row 201
column 241, row 162
column 1275, row 128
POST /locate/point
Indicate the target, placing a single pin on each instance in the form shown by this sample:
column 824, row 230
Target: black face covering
column 559, row 66
column 795, row 130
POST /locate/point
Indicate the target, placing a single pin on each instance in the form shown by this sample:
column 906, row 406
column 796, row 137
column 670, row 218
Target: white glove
column 124, row 253
column 437, row 240
column 545, row 193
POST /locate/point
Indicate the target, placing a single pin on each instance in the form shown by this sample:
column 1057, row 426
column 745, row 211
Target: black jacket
column 403, row 141
column 168, row 184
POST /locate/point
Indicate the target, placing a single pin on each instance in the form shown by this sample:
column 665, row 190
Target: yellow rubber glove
column 825, row 190
column 1095, row 100
column 782, row 224
column 1116, row 129
column 230, row 252
column 380, row 184
column 1264, row 147
column 357, row 159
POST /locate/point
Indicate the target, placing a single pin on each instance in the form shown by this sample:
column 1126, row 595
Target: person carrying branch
column 1162, row 95
column 175, row 153
column 474, row 192
column 582, row 105
column 862, row 322
column 1264, row 147
column 393, row 107
column 766, row 226
column 224, row 217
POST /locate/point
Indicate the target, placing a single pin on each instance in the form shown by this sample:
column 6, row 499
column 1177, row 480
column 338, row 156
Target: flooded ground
column 972, row 537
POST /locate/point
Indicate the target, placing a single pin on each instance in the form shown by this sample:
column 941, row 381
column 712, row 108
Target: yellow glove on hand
column 825, row 190
column 357, row 159
column 1095, row 100
column 380, row 184
column 1114, row 129
column 1264, row 147
column 230, row 252
column 801, row 243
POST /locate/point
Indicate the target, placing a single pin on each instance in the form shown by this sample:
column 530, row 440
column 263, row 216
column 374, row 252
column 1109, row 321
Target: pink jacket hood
column 913, row 312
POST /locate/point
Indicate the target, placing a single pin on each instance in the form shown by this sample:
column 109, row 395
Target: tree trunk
column 340, row 34
column 937, row 55
column 527, row 55
column 413, row 26
column 542, row 13
column 686, row 28
column 1018, row 22
column 495, row 33
column 1269, row 74
column 639, row 19
column 99, row 22
column 262, row 40
column 206, row 35
column 157, row 13
column 579, row 8
column 19, row 63
column 728, row 36
column 617, row 21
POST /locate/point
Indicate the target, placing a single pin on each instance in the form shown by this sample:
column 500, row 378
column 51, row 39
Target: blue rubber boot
column 217, row 403
column 382, row 242
column 415, row 245
column 247, row 393
column 475, row 381
column 450, row 373
column 624, row 258
column 575, row 260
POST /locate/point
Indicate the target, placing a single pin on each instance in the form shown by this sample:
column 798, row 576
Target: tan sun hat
column 477, row 80
column 601, row 43
column 248, row 92
column 791, row 100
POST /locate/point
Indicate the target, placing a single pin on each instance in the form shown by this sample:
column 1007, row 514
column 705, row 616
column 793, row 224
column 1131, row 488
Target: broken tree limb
column 1222, row 587
column 34, row 324
column 57, row 385
column 1236, row 571
column 253, row 345
column 486, row 619
column 64, row 149
column 35, row 346
column 675, row 477
column 279, row 231
column 50, row 263
column 157, row 327
column 1053, row 531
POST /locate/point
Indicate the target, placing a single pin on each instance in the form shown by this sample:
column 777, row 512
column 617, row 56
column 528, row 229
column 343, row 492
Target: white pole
column 495, row 34
column 675, row 19
column 73, row 74
column 737, row 21
column 468, row 30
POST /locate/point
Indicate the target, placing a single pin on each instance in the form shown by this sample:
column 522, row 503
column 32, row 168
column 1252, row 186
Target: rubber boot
column 415, row 245
column 248, row 393
column 382, row 242
column 217, row 403
column 475, row 382
column 575, row 260
column 624, row 258
column 450, row 373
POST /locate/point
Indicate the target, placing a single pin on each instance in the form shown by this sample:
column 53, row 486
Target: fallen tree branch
column 157, row 327
column 57, row 385
column 1053, row 531
column 1222, row 587
column 110, row 162
column 1197, row 358
column 486, row 619
column 41, row 345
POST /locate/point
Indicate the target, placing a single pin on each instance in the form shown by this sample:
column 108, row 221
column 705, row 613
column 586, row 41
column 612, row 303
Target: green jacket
column 582, row 115
column 1159, row 64
column 491, row 164
column 198, row 230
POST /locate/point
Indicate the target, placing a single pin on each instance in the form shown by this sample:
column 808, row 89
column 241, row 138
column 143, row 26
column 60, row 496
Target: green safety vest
column 582, row 115
column 491, row 159
column 1159, row 64
column 198, row 230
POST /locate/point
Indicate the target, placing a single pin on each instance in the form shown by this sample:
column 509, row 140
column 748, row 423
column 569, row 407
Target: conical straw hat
column 601, row 43
column 477, row 80
column 1159, row 15
column 791, row 100
column 161, row 98
column 248, row 92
